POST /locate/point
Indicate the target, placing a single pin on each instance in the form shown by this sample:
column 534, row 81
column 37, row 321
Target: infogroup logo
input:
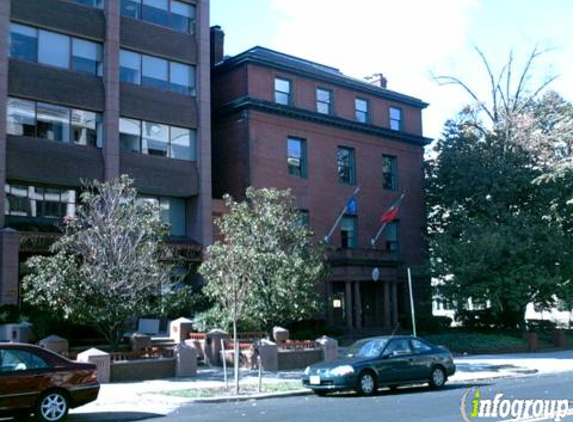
column 475, row 407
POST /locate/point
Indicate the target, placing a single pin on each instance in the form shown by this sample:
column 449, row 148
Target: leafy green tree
column 266, row 247
column 107, row 266
column 495, row 236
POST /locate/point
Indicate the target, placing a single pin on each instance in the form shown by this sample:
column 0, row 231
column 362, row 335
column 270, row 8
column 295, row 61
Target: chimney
column 217, row 45
column 377, row 79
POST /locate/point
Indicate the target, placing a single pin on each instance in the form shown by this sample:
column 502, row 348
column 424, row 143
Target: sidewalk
column 143, row 397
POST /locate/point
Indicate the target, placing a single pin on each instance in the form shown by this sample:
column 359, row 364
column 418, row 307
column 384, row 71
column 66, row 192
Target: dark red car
column 35, row 380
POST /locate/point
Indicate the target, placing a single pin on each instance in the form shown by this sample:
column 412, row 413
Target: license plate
column 315, row 380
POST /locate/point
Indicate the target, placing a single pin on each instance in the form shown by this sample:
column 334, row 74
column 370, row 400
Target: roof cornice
column 264, row 57
column 249, row 103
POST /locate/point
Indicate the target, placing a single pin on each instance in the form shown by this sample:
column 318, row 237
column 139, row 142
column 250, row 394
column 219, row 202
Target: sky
column 410, row 41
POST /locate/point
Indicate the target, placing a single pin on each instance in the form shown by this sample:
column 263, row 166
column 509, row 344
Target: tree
column 107, row 266
column 265, row 267
column 493, row 237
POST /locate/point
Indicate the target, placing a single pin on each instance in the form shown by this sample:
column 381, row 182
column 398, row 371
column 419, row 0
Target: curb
column 260, row 396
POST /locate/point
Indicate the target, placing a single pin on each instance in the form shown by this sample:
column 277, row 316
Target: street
column 405, row 404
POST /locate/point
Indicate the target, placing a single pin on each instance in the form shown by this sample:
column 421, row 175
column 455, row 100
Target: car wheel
column 366, row 384
column 52, row 406
column 437, row 377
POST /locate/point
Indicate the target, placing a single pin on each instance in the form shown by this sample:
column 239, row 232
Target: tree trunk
column 236, row 356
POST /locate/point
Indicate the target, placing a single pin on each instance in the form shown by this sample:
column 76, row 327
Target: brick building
column 285, row 122
column 92, row 89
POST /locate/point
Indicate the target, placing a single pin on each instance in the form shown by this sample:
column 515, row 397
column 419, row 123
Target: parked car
column 382, row 361
column 36, row 381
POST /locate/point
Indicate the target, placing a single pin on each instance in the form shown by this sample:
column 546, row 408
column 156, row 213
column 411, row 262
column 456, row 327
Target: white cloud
column 404, row 40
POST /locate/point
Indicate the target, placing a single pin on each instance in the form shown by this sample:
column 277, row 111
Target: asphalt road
column 406, row 404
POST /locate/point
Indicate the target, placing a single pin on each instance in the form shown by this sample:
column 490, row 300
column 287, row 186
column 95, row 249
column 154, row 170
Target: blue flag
column 352, row 206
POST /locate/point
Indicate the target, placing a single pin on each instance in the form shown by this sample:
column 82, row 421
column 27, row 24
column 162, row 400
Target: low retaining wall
column 297, row 359
column 142, row 369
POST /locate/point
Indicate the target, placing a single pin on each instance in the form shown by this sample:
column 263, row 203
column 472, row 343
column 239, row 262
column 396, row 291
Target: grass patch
column 245, row 389
column 474, row 342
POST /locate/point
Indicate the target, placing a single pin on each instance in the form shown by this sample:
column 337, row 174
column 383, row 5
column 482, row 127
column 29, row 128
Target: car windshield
column 366, row 348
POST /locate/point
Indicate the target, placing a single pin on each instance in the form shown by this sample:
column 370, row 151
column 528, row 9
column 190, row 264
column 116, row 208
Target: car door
column 394, row 364
column 23, row 376
column 422, row 358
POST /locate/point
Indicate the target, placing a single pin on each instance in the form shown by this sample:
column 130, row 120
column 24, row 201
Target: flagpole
column 327, row 237
column 375, row 238
column 412, row 310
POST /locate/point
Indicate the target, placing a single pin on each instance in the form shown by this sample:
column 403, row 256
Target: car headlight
column 342, row 370
column 307, row 370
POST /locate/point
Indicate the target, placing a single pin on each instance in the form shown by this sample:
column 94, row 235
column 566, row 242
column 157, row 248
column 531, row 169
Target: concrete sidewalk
column 144, row 397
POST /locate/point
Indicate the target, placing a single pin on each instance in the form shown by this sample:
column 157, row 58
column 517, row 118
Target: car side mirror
column 386, row 355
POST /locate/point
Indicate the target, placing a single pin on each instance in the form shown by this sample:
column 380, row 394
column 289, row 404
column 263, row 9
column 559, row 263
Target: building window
column 34, row 201
column 92, row 3
column 393, row 236
column 395, row 118
column 361, row 110
column 157, row 139
column 389, row 173
column 296, row 160
column 39, row 46
column 173, row 14
column 324, row 101
column 304, row 218
column 144, row 70
column 55, row 123
column 173, row 212
column 282, row 91
column 346, row 166
column 349, row 232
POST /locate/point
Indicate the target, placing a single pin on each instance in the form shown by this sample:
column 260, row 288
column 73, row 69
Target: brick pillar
column 357, row 305
column 111, row 84
column 348, row 305
column 387, row 317
column 4, row 31
column 9, row 251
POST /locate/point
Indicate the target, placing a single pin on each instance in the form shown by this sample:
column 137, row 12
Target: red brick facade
column 250, row 134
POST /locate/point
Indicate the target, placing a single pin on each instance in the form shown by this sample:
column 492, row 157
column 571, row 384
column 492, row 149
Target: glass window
column 129, row 135
column 155, row 72
column 23, row 42
column 346, row 166
column 130, row 67
column 17, row 203
column 52, row 203
column 361, row 107
column 348, row 232
column 296, row 158
column 86, row 128
column 87, row 57
column 282, row 91
column 182, row 16
column 34, row 201
column 393, row 237
column 91, row 3
column 395, row 118
column 323, row 101
column 419, row 346
column 54, row 49
column 183, row 144
column 182, row 78
column 389, row 173
column 53, row 122
column 20, row 360
column 304, row 218
column 173, row 213
column 155, row 139
column 131, row 8
column 155, row 11
column 21, row 117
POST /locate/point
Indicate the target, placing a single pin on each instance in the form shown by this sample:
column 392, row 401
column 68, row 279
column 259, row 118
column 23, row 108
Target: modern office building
column 285, row 122
column 91, row 89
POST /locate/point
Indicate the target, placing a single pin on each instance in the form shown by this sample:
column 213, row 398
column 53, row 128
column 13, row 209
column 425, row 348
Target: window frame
column 102, row 2
column 329, row 103
column 352, row 242
column 39, row 187
column 169, row 85
column 99, row 129
column 288, row 94
column 303, row 158
column 392, row 174
column 192, row 20
column 365, row 113
column 352, row 166
column 392, row 120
